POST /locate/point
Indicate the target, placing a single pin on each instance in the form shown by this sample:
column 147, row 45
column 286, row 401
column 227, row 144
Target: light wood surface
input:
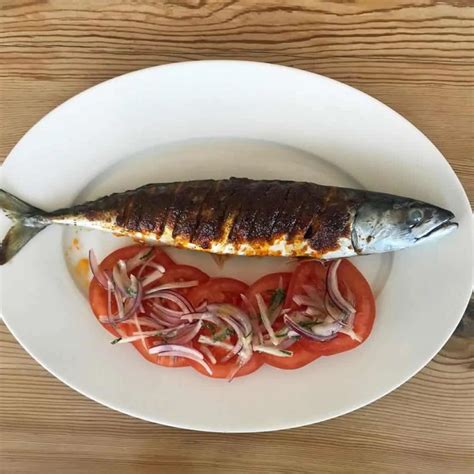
column 416, row 56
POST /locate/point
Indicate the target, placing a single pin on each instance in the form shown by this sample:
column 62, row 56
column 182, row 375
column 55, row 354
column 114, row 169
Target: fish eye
column 415, row 216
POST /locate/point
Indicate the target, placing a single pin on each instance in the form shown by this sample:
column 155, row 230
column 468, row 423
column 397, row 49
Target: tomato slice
column 98, row 295
column 300, row 358
column 218, row 290
column 351, row 282
column 266, row 286
column 143, row 348
column 176, row 273
column 222, row 290
column 222, row 370
column 128, row 252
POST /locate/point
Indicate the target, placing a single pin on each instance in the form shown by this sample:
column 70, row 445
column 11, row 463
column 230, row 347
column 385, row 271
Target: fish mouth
column 443, row 228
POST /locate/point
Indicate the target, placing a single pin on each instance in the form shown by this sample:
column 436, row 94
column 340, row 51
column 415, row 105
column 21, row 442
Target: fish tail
column 27, row 222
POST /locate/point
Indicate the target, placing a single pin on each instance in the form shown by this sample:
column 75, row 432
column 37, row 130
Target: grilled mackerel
column 240, row 216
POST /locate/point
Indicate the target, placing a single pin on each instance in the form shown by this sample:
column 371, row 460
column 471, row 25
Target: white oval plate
column 216, row 119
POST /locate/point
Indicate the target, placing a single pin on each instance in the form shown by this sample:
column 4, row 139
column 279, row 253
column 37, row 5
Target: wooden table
column 416, row 56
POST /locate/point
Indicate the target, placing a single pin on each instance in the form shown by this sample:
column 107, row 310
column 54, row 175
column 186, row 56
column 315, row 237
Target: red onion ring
column 131, row 306
column 99, row 275
column 172, row 350
column 208, row 353
column 187, row 335
column 180, row 300
column 334, row 291
column 305, row 332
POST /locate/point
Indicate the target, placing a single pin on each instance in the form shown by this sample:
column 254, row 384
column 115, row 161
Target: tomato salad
column 176, row 315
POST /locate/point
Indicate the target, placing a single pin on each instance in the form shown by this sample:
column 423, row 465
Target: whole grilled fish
column 241, row 216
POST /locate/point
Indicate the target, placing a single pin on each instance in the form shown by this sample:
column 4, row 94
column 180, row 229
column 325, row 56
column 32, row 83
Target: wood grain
column 416, row 56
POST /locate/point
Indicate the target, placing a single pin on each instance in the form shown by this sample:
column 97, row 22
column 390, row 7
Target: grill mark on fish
column 289, row 211
column 215, row 210
column 204, row 208
column 171, row 212
column 245, row 221
column 313, row 201
column 267, row 213
column 189, row 203
column 154, row 209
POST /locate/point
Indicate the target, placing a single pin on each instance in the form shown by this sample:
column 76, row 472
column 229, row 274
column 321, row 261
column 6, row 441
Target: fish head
column 386, row 223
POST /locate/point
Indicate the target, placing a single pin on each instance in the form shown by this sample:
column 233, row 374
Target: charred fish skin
column 241, row 216
column 234, row 216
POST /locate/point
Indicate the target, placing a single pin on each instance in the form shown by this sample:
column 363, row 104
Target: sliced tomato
column 267, row 285
column 351, row 282
column 128, row 252
column 143, row 348
column 98, row 295
column 222, row 370
column 300, row 358
column 222, row 290
column 218, row 290
column 179, row 273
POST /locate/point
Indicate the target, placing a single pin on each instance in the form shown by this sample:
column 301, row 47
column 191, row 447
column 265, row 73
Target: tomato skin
column 98, row 295
column 351, row 280
column 128, row 252
column 129, row 329
column 221, row 371
column 266, row 285
column 218, row 290
column 301, row 357
column 176, row 273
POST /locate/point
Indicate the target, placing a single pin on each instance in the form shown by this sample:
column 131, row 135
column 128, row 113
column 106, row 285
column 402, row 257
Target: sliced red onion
column 151, row 277
column 131, row 305
column 174, row 350
column 272, row 350
column 144, row 320
column 288, row 342
column 121, row 279
column 201, row 317
column 334, row 291
column 334, row 312
column 208, row 341
column 207, row 353
column 137, row 324
column 180, row 300
column 164, row 310
column 202, row 306
column 275, row 314
column 327, row 329
column 266, row 322
column 162, row 318
column 174, row 347
column 173, row 286
column 305, row 332
column 139, row 258
column 187, row 335
column 253, row 319
column 303, row 300
column 99, row 274
column 185, row 355
column 240, row 338
column 235, row 313
column 350, row 332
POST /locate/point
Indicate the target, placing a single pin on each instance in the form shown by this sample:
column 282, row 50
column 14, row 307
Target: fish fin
column 17, row 237
column 14, row 207
column 21, row 213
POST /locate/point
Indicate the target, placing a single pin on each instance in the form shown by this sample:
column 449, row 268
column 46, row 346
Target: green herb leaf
column 277, row 299
column 210, row 326
column 144, row 257
column 224, row 334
